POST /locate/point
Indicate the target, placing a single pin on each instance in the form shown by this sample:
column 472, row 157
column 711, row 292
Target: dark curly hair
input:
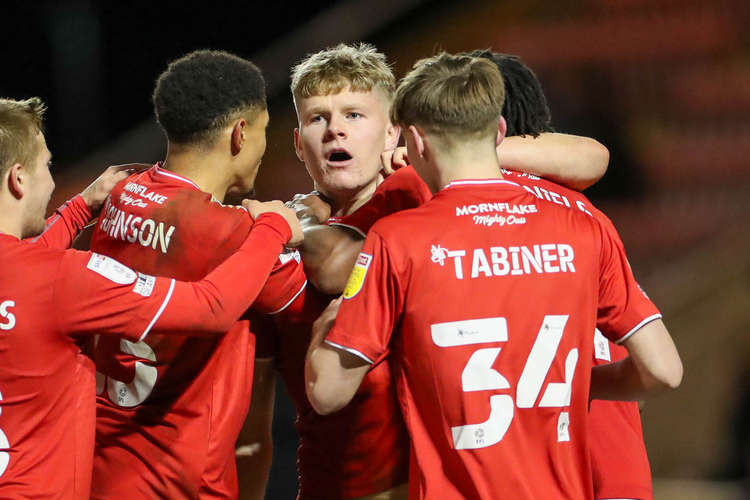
column 205, row 90
column 525, row 109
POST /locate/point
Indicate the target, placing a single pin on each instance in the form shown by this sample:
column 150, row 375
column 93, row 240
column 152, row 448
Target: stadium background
column 665, row 85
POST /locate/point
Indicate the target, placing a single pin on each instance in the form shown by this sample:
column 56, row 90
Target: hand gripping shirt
column 487, row 299
column 169, row 409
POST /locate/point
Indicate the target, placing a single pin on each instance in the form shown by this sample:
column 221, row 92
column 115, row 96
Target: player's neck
column 204, row 168
column 466, row 163
column 10, row 221
column 346, row 202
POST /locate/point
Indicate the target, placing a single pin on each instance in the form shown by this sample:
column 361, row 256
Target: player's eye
column 353, row 115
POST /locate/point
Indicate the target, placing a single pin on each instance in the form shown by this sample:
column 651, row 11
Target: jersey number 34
column 479, row 375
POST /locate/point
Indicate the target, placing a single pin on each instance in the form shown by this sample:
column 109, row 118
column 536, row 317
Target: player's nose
column 335, row 130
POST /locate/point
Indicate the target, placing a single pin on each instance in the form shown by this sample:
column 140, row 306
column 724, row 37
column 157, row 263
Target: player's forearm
column 653, row 367
column 622, row 381
column 573, row 161
column 328, row 254
column 213, row 304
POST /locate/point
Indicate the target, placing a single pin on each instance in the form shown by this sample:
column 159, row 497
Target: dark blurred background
column 665, row 85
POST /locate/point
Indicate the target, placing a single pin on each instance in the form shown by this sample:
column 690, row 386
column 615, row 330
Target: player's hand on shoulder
column 95, row 194
column 392, row 160
column 256, row 208
column 310, row 205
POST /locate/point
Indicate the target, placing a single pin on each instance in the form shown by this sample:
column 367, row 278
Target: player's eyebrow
column 317, row 110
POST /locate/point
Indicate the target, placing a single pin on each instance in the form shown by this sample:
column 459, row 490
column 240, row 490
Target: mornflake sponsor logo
column 128, row 200
column 120, row 225
column 496, row 219
column 143, row 192
column 485, row 208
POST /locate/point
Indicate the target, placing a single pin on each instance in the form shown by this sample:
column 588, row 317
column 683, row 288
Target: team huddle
column 452, row 319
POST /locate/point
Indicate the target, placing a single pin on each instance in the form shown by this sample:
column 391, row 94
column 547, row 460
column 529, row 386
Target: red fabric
column 65, row 224
column 364, row 448
column 399, row 191
column 625, row 474
column 47, row 385
column 417, row 278
column 172, row 431
column 360, row 450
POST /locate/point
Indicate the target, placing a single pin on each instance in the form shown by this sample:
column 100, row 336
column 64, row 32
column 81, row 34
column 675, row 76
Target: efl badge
column 357, row 278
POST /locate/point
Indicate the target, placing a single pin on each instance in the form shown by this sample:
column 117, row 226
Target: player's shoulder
column 402, row 222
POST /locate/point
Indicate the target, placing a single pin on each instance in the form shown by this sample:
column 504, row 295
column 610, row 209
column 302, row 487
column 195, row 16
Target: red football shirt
column 625, row 474
column 360, row 450
column 47, row 385
column 492, row 293
column 169, row 409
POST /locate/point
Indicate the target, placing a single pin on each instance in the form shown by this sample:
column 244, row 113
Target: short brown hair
column 358, row 66
column 20, row 122
column 451, row 95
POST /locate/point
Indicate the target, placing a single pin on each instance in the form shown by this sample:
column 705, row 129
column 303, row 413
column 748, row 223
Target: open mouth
column 338, row 156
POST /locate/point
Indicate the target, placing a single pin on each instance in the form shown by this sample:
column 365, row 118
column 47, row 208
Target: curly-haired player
column 169, row 409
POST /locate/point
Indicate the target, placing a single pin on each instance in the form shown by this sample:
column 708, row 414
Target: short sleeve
column 623, row 306
column 284, row 285
column 373, row 302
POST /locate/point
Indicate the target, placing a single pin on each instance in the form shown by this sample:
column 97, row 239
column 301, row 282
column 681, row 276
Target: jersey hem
column 294, row 297
column 349, row 350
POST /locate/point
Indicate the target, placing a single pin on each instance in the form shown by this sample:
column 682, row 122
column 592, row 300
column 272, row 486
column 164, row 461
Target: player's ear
column 502, row 128
column 238, row 136
column 298, row 145
column 17, row 181
column 392, row 134
column 416, row 137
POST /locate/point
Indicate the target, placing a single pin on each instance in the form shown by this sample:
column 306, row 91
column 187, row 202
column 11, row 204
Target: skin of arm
column 255, row 445
column 654, row 366
column 329, row 254
column 332, row 375
column 570, row 160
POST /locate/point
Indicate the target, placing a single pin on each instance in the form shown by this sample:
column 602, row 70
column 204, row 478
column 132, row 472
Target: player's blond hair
column 451, row 96
column 360, row 67
column 20, row 122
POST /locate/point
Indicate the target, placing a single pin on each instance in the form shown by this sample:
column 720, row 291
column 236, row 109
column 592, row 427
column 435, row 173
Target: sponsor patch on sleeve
column 601, row 346
column 144, row 285
column 111, row 269
column 357, row 277
column 288, row 255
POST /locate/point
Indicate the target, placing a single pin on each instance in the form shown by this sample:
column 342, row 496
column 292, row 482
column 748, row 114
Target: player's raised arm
column 653, row 367
column 71, row 218
column 96, row 294
column 571, row 160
